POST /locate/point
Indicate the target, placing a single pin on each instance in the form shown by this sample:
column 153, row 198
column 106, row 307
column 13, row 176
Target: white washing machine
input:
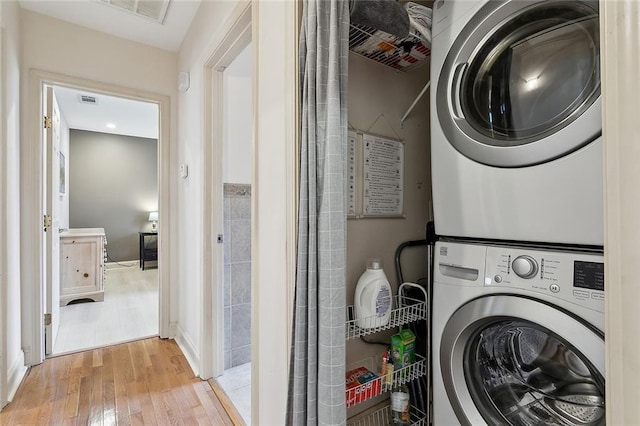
column 516, row 121
column 518, row 336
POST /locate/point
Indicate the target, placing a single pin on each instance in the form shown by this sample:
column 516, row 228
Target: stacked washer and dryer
column 518, row 288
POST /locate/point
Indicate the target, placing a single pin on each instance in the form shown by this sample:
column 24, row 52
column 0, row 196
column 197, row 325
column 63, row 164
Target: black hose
column 399, row 250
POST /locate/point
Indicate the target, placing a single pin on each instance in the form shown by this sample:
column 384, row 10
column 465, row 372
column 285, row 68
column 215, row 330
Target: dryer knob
column 525, row 266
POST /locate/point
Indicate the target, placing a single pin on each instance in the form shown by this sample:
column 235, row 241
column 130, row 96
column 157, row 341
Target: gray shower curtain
column 317, row 381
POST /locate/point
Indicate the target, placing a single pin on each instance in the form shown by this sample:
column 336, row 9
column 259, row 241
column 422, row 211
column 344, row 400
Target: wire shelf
column 382, row 384
column 402, row 54
column 405, row 310
column 382, row 416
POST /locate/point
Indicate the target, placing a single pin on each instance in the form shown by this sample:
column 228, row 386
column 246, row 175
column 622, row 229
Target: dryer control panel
column 574, row 277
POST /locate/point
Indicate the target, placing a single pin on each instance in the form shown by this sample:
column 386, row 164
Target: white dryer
column 517, row 336
column 516, row 126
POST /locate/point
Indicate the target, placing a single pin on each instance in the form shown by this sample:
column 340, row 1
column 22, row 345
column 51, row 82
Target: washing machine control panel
column 575, row 277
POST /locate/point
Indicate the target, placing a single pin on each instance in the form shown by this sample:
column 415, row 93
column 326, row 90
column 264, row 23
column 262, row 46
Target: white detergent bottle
column 372, row 301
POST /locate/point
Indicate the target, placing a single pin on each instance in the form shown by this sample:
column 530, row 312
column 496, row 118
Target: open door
column 55, row 188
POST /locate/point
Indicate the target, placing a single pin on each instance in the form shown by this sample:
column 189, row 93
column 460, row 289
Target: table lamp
column 153, row 218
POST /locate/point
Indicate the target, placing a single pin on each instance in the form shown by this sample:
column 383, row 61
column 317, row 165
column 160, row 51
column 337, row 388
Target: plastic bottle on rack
column 372, row 301
column 400, row 414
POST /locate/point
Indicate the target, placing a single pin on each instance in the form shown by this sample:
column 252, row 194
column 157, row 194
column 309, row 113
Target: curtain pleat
column 317, row 381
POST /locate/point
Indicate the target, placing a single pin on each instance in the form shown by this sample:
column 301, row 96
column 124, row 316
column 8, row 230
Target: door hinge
column 47, row 122
column 47, row 319
column 220, row 239
column 47, row 221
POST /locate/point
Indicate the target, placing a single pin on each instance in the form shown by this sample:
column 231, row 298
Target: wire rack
column 385, row 383
column 405, row 310
column 402, row 54
column 382, row 416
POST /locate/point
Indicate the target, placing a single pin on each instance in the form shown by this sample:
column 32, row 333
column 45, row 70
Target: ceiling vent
column 88, row 100
column 155, row 10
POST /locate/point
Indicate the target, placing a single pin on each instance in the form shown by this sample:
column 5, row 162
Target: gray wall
column 113, row 184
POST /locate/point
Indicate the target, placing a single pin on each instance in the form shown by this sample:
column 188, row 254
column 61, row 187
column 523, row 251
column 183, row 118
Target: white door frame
column 52, row 208
column 276, row 26
column 32, row 189
column 3, row 233
column 236, row 37
column 274, row 37
column 619, row 31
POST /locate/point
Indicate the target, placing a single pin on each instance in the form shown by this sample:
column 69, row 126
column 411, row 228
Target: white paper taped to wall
column 383, row 176
column 352, row 171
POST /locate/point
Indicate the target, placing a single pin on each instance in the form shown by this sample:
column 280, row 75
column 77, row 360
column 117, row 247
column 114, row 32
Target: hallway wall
column 11, row 355
column 203, row 32
column 50, row 44
column 56, row 46
column 274, row 40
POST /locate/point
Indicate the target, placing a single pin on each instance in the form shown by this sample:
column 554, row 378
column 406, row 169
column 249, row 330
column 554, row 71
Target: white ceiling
column 132, row 118
column 102, row 17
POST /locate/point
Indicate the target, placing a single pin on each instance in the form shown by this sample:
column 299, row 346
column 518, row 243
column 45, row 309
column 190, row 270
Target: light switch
column 184, row 170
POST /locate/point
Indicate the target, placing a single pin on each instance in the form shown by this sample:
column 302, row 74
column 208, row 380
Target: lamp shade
column 153, row 216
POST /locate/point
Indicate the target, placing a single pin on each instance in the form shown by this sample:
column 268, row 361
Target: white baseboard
column 188, row 349
column 173, row 329
column 16, row 374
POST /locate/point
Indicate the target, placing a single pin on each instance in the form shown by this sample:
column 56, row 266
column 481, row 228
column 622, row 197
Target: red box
column 362, row 384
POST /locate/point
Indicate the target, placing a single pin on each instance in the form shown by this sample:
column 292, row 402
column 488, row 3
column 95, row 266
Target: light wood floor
column 147, row 382
column 129, row 312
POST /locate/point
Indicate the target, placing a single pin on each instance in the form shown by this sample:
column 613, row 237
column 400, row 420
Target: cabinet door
column 80, row 265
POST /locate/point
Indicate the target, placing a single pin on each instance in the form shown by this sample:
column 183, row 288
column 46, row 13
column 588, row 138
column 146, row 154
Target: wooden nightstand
column 148, row 253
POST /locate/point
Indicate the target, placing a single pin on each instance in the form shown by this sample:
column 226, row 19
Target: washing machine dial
column 525, row 266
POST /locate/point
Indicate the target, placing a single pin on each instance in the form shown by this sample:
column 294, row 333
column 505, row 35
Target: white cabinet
column 82, row 256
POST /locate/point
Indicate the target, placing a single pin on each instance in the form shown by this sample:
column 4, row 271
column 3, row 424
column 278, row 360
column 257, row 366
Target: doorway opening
column 107, row 196
column 229, row 205
column 237, row 178
column 42, row 192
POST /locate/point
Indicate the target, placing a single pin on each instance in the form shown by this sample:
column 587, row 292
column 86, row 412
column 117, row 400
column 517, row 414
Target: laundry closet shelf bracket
column 420, row 95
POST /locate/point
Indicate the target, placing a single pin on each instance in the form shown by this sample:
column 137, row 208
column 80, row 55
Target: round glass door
column 520, row 373
column 511, row 360
column 519, row 74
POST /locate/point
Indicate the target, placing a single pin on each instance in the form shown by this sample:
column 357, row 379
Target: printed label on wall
column 351, row 174
column 383, row 176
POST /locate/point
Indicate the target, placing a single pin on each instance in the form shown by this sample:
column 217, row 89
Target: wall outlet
column 184, row 170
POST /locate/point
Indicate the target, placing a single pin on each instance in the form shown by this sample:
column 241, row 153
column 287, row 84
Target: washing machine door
column 517, row 361
column 521, row 83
